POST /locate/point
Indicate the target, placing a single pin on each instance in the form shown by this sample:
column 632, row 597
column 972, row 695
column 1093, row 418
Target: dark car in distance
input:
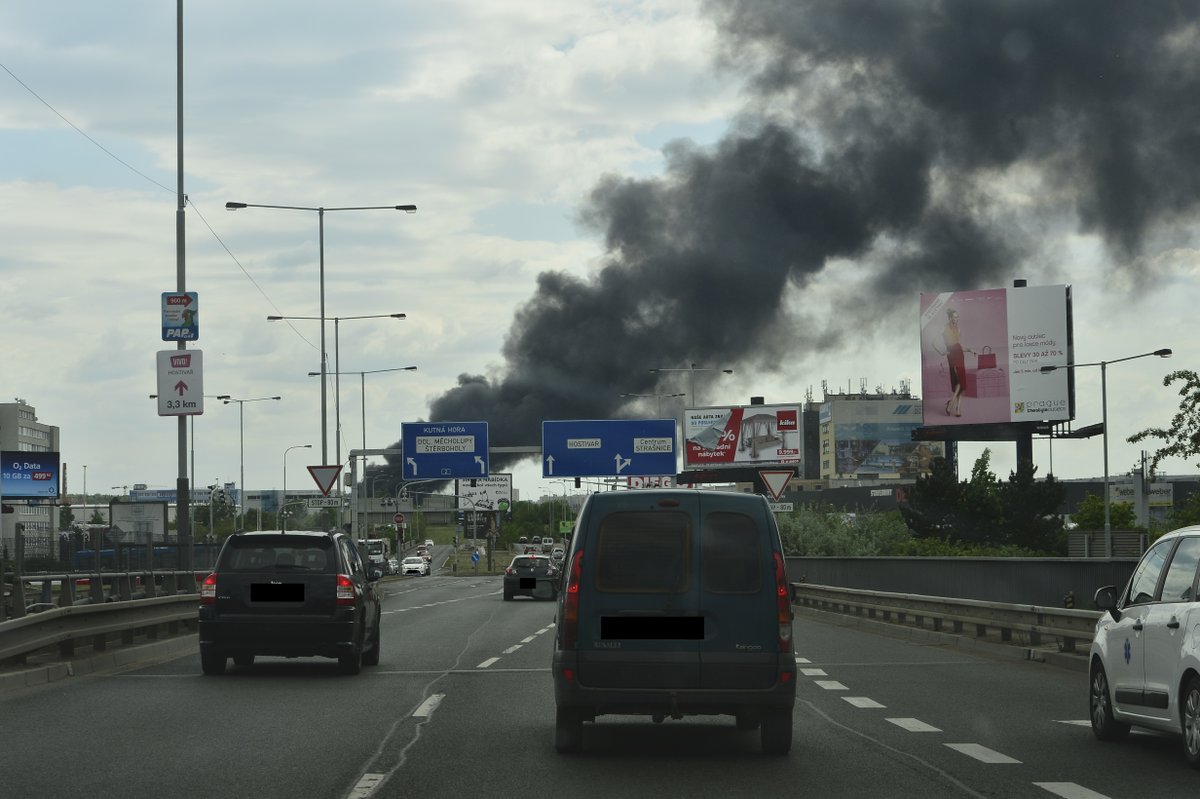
column 531, row 575
column 293, row 594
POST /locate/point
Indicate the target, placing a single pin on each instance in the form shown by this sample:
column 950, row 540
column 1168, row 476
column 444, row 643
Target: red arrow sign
column 181, row 387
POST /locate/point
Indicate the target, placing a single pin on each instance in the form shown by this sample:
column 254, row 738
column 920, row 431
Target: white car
column 1145, row 657
column 428, row 544
column 415, row 565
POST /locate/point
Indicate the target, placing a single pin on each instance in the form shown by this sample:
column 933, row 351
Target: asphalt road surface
column 461, row 705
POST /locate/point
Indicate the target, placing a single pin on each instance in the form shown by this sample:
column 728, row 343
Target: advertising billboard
column 132, row 522
column 752, row 435
column 487, row 493
column 875, row 438
column 982, row 353
column 29, row 475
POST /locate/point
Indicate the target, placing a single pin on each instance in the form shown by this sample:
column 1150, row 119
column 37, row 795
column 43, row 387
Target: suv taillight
column 345, row 590
column 783, row 605
column 208, row 590
column 569, row 623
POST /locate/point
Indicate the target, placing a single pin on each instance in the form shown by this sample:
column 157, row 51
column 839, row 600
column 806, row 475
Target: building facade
column 20, row 431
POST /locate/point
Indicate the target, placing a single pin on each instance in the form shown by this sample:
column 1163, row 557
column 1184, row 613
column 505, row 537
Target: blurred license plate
column 277, row 592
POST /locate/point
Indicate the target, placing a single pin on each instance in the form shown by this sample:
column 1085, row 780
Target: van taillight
column 345, row 590
column 783, row 605
column 208, row 590
column 569, row 624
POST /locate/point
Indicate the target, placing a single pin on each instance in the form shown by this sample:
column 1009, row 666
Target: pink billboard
column 982, row 353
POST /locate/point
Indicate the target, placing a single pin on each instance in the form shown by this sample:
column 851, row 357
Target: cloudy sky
column 603, row 188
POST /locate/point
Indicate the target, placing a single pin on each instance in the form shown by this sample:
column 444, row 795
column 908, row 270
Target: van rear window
column 731, row 560
column 644, row 552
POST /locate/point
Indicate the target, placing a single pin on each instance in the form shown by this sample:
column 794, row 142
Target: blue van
column 675, row 602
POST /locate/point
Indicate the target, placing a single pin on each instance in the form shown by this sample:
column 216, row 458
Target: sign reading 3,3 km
column 608, row 447
column 444, row 449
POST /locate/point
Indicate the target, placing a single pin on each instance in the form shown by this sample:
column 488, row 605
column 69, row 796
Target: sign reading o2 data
column 29, row 475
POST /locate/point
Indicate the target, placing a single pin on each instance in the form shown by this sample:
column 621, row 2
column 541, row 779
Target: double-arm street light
column 337, row 365
column 283, row 502
column 1163, row 353
column 363, row 387
column 691, row 369
column 651, row 396
column 410, row 209
column 241, row 403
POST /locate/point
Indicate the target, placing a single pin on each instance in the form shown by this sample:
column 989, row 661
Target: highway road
column 462, row 705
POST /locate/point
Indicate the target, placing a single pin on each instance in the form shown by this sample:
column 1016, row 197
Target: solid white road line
column 862, row 701
column 982, row 753
column 428, row 706
column 831, row 685
column 914, row 725
column 487, row 663
column 1069, row 790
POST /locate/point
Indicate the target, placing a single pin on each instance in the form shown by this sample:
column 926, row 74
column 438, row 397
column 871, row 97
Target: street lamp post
column 337, row 361
column 363, row 387
column 650, row 396
column 410, row 209
column 691, row 369
column 283, row 502
column 1162, row 353
column 241, row 403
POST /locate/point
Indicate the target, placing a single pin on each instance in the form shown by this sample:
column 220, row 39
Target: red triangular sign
column 776, row 481
column 325, row 476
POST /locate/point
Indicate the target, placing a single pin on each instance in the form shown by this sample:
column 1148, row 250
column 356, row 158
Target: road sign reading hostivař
column 608, row 447
column 444, row 449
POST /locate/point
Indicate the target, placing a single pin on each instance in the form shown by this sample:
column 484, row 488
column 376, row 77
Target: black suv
column 293, row 594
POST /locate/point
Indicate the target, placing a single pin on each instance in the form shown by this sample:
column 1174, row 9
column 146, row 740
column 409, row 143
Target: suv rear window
column 730, row 554
column 640, row 552
column 280, row 555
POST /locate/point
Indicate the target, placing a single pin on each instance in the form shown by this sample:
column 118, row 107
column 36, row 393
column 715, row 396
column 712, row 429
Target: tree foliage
column 1182, row 438
column 982, row 512
column 1089, row 514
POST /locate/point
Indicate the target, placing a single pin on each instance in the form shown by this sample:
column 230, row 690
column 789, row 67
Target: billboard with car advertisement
column 982, row 353
column 752, row 435
column 29, row 475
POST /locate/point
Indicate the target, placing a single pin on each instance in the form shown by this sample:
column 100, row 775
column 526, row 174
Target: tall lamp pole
column 241, row 403
column 283, row 502
column 363, row 387
column 650, row 396
column 691, row 369
column 410, row 209
column 1162, row 353
column 337, row 361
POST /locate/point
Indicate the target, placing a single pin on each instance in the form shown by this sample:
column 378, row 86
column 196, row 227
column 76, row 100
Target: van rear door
column 737, row 542
column 640, row 624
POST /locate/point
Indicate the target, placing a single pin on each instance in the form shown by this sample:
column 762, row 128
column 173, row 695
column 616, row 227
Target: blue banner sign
column 29, row 475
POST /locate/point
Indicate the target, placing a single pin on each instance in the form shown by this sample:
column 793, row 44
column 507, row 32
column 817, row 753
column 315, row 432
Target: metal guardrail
column 1072, row 628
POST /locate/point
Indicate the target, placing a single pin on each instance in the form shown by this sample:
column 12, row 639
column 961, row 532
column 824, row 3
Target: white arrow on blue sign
column 444, row 449
column 608, row 448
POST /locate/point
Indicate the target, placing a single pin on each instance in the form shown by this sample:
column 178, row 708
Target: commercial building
column 21, row 432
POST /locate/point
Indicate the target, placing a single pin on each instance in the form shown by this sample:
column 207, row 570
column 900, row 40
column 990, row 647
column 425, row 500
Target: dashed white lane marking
column 862, row 701
column 366, row 786
column 1076, row 722
column 487, row 663
column 982, row 753
column 512, row 649
column 831, row 685
column 813, row 672
column 914, row 725
column 527, row 640
column 428, row 706
column 1069, row 790
column 803, row 660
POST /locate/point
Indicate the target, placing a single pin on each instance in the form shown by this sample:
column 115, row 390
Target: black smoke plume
column 904, row 146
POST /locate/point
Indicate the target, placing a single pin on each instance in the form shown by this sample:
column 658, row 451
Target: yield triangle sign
column 776, row 481
column 325, row 476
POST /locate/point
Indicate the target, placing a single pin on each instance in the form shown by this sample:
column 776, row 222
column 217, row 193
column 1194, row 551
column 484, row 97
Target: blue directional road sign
column 608, row 447
column 444, row 449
